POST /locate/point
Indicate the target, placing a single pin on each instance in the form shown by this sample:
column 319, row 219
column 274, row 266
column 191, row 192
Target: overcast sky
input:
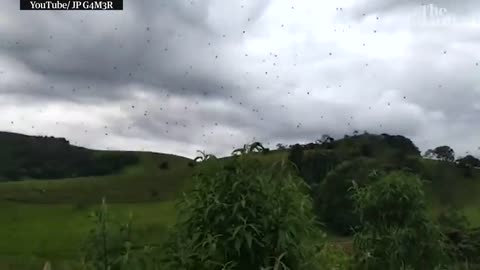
column 178, row 76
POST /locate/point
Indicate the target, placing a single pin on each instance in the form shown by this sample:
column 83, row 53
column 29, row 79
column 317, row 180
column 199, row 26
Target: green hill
column 37, row 157
column 49, row 218
column 331, row 166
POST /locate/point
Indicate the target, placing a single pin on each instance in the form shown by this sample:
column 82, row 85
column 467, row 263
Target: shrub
column 396, row 233
column 333, row 202
column 296, row 155
column 245, row 215
column 316, row 165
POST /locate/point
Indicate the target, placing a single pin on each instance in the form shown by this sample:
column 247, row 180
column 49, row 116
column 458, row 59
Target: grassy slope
column 49, row 219
column 137, row 183
column 455, row 190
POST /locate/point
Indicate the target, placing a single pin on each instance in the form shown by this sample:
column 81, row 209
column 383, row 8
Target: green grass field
column 48, row 219
column 41, row 232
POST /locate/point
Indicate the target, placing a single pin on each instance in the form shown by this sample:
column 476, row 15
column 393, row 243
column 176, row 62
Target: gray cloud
column 222, row 74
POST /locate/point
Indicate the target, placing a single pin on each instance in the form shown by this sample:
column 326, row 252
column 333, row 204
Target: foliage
column 467, row 164
column 313, row 166
column 396, row 233
column 52, row 158
column 444, row 153
column 333, row 202
column 412, row 164
column 30, row 206
column 463, row 242
column 325, row 139
column 255, row 147
column 131, row 185
column 401, row 143
column 281, row 146
column 110, row 246
column 245, row 215
column 452, row 219
column 464, row 246
column 203, row 156
column 469, row 161
column 296, row 155
column 333, row 257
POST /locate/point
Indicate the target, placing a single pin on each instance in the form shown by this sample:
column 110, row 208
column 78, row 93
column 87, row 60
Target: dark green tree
column 396, row 233
column 332, row 198
column 444, row 153
column 296, row 155
column 469, row 161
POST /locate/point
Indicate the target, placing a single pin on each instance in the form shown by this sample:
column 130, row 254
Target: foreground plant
column 244, row 215
column 110, row 245
column 396, row 233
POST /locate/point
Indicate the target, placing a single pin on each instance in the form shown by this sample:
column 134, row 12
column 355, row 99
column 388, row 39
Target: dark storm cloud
column 167, row 44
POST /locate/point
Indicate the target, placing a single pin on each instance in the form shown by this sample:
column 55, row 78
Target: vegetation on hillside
column 245, row 214
column 37, row 157
column 329, row 167
column 396, row 232
column 240, row 205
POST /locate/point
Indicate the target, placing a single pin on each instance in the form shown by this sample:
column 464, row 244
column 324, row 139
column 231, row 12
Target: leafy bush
column 333, row 202
column 396, row 233
column 316, row 165
column 464, row 247
column 295, row 155
column 245, row 215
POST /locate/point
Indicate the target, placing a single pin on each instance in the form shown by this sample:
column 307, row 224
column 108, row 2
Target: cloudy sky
column 180, row 76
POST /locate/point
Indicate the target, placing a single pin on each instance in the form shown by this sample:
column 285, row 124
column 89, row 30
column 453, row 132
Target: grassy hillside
column 48, row 219
column 39, row 157
column 145, row 181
